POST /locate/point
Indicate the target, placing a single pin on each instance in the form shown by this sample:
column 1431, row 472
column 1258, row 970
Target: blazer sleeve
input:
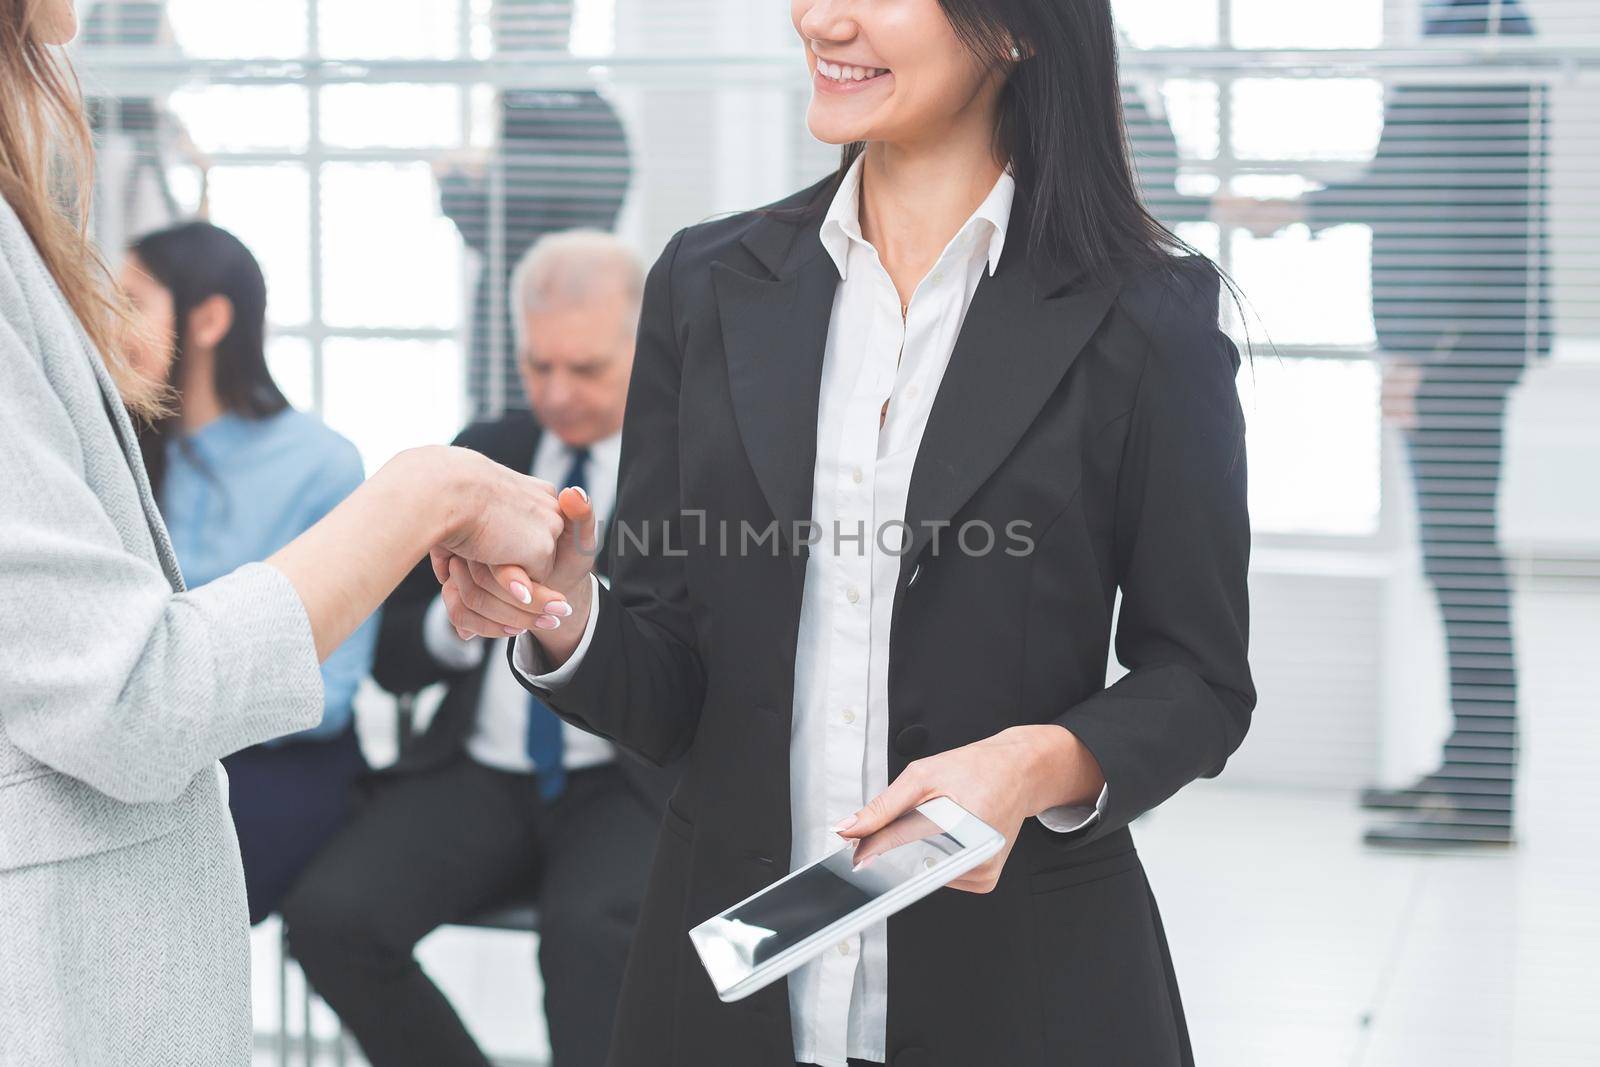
column 110, row 676
column 1182, row 551
column 641, row 682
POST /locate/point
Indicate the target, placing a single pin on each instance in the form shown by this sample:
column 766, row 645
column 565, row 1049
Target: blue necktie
column 546, row 746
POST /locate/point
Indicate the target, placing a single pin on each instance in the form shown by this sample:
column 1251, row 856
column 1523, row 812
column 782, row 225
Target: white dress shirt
column 839, row 754
column 500, row 737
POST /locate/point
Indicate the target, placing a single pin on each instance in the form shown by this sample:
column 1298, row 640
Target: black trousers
column 1455, row 454
column 287, row 801
column 437, row 846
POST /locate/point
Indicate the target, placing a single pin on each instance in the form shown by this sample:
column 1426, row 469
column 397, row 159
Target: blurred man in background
column 499, row 800
column 560, row 162
column 1455, row 197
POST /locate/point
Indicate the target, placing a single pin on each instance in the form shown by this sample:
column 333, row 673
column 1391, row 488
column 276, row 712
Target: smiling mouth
column 849, row 75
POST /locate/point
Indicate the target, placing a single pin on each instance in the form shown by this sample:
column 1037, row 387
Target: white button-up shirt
column 839, row 752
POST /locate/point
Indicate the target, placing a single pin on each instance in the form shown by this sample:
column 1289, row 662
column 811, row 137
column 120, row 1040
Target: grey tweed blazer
column 123, row 931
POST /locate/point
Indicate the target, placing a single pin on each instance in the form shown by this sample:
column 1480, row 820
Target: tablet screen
column 784, row 914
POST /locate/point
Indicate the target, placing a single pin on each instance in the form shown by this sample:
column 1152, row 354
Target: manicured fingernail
column 520, row 591
column 547, row 622
column 863, row 864
column 512, row 631
column 464, row 635
column 844, row 824
column 559, row 607
column 582, row 490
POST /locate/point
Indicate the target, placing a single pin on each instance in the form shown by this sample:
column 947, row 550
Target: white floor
column 1295, row 946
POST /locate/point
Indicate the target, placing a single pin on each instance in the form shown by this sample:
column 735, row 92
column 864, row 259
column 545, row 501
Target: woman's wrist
column 559, row 644
column 1063, row 771
column 436, row 490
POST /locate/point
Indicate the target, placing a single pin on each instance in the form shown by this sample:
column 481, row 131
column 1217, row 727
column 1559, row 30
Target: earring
column 1016, row 53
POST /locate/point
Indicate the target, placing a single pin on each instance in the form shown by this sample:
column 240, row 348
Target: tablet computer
column 770, row 933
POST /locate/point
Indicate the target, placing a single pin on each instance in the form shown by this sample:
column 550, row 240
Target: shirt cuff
column 528, row 657
column 439, row 637
column 1065, row 818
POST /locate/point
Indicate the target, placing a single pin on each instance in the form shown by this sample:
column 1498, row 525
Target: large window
column 322, row 128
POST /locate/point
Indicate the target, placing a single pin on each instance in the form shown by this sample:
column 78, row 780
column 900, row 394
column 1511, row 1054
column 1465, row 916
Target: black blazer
column 1105, row 416
column 402, row 663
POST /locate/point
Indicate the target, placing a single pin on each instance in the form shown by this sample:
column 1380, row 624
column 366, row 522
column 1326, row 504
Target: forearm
column 345, row 565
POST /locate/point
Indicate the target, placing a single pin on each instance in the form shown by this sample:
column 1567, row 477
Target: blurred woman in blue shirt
column 239, row 473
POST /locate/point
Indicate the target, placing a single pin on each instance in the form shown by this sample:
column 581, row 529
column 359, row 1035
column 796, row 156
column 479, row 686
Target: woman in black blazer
column 1089, row 398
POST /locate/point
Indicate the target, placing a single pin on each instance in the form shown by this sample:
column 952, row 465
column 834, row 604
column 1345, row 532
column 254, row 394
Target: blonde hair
column 46, row 175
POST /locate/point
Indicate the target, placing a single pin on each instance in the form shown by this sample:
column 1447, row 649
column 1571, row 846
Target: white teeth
column 844, row 73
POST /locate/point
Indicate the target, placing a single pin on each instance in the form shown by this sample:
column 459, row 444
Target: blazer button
column 913, row 1057
column 910, row 742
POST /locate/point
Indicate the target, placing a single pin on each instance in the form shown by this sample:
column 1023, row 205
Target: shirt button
column 852, row 594
column 928, row 863
column 848, row 716
column 844, row 948
column 856, row 475
column 938, row 276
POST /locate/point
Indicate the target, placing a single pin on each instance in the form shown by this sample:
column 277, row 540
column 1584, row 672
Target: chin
column 829, row 130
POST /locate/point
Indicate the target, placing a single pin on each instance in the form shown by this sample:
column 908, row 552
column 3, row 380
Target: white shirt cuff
column 439, row 637
column 528, row 657
column 1066, row 818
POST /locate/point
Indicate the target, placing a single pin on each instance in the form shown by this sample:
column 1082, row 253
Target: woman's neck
column 913, row 200
column 201, row 404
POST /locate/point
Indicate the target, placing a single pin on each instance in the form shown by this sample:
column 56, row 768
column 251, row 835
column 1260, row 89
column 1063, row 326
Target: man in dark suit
column 1455, row 199
column 498, row 799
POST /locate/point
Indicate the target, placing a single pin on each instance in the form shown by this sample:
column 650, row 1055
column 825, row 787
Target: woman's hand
column 506, row 600
column 1002, row 780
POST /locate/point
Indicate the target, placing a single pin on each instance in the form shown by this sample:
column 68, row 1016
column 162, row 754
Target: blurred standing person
column 498, row 800
column 560, row 161
column 1154, row 148
column 239, row 473
column 1455, row 197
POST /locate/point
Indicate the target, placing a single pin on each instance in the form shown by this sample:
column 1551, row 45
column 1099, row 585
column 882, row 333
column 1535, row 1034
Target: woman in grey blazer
column 123, row 936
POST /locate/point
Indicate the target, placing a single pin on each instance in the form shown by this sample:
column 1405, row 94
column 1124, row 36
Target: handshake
column 516, row 552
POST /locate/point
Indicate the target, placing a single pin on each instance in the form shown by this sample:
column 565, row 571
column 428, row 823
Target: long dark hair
column 195, row 261
column 1061, row 127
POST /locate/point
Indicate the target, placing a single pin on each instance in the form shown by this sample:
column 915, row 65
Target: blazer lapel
column 1025, row 327
column 774, row 332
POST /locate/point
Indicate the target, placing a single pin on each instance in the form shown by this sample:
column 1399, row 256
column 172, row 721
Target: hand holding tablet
column 771, row 933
